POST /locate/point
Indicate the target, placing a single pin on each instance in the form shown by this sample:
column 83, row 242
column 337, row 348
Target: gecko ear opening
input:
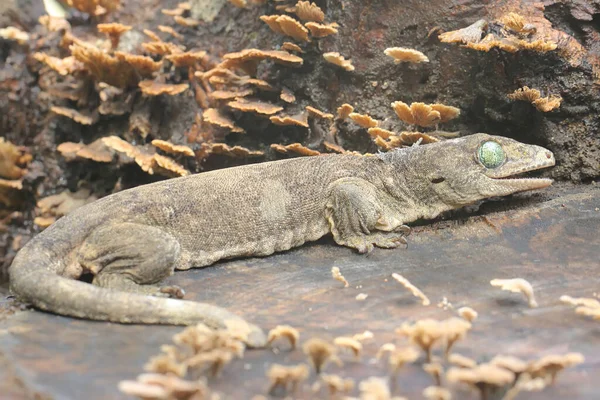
column 438, row 179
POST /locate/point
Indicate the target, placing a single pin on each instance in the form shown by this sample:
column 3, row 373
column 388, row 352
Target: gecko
column 131, row 240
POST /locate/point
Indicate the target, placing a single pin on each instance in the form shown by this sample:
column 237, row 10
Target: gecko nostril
column 548, row 154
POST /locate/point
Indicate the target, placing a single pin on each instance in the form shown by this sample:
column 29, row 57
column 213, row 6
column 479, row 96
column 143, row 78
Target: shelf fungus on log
column 402, row 54
column 339, row 60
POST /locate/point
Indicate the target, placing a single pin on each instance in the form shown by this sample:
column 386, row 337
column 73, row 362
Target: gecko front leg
column 362, row 216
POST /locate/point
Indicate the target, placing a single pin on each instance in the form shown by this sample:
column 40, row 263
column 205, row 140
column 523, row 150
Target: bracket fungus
column 534, row 96
column 403, row 54
column 169, row 147
column 419, row 114
column 255, row 106
column 320, row 352
column 339, row 60
column 337, row 275
column 152, row 88
column 349, row 343
column 214, row 117
column 81, row 117
column 321, row 30
column 290, row 120
column 296, row 148
column 549, row 366
column 412, row 288
column 468, row 313
column 425, row 333
column 113, row 31
column 290, row 27
column 336, row 385
column 284, row 331
column 95, row 151
column 286, row 378
column 230, row 151
column 307, row 11
column 363, row 120
column 517, row 285
column 488, row 379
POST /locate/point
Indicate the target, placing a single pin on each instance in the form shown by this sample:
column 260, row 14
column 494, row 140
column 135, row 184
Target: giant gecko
column 131, row 240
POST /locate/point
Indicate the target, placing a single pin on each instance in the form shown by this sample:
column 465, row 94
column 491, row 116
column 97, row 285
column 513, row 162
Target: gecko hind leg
column 131, row 257
column 362, row 217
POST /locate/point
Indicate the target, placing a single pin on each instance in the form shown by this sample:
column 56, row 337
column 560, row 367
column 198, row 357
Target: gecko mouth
column 517, row 184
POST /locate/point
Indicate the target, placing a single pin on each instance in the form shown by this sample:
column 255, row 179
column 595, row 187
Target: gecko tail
column 32, row 280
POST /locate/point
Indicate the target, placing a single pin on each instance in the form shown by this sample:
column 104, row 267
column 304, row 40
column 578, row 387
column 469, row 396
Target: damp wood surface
column 549, row 238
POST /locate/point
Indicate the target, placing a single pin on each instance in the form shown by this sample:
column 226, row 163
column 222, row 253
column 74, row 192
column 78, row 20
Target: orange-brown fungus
column 284, row 331
column 470, row 34
column 152, row 88
column 286, row 120
column 412, row 288
column 287, row 95
column 484, row 377
column 230, row 94
column 292, row 28
column 425, row 333
column 447, row 113
column 321, row 30
column 278, row 56
column 145, row 66
column 187, row 59
column 187, row 22
column 437, row 393
column 534, row 96
column 294, row 148
column 307, row 11
column 379, row 132
column 83, row 118
column 152, row 386
column 64, row 66
column 255, row 106
column 363, row 120
column 517, row 285
column 271, row 21
column 337, row 59
column 337, row 275
column 336, row 385
column 104, row 67
column 169, row 147
column 234, row 151
column 289, row 46
column 152, row 35
column 214, row 117
column 344, row 111
column 286, row 378
column 168, row 167
column 517, row 23
column 162, row 48
column 350, row 344
column 94, row 7
column 548, row 367
column 10, row 159
column 402, row 54
column 417, row 114
column 95, row 151
column 113, row 31
column 316, row 113
column 170, row 31
column 319, row 353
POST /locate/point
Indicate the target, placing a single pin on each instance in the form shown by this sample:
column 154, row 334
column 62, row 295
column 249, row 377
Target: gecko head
column 472, row 168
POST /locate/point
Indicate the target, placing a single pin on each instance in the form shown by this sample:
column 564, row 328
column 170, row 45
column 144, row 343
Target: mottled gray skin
column 133, row 239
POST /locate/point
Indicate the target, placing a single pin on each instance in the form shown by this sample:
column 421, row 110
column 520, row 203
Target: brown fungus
column 169, row 30
column 292, row 28
column 412, row 288
column 402, row 54
column 425, row 333
column 64, row 66
column 461, row 361
column 319, row 352
column 350, row 344
column 277, row 56
column 447, row 113
column 214, row 117
column 287, row 95
column 455, row 329
column 436, row 371
column 486, row 378
column 81, row 117
column 287, row 378
column 549, row 366
column 313, row 112
column 289, row 46
column 336, row 385
column 307, row 11
column 470, row 34
column 419, row 114
column 339, row 60
column 113, row 31
column 363, row 120
column 230, row 151
column 153, row 88
column 296, row 148
column 254, row 106
column 287, row 120
column 321, row 30
column 284, row 331
column 337, row 275
column 517, row 285
column 271, row 21
column 187, row 59
column 399, row 357
column 437, row 393
column 344, row 111
column 95, row 151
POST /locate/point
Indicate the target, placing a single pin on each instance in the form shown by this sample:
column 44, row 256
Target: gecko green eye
column 491, row 155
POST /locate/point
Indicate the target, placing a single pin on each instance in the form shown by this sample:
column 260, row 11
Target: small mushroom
column 337, row 275
column 339, row 60
column 284, row 331
column 286, row 378
column 363, row 120
column 412, row 288
column 349, row 343
column 468, row 313
column 319, row 352
column 307, row 11
column 113, row 31
column 403, row 54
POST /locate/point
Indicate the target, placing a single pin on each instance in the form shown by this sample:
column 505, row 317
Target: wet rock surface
column 549, row 238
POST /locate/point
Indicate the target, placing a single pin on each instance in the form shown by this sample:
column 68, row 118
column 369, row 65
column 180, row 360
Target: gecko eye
column 491, row 155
